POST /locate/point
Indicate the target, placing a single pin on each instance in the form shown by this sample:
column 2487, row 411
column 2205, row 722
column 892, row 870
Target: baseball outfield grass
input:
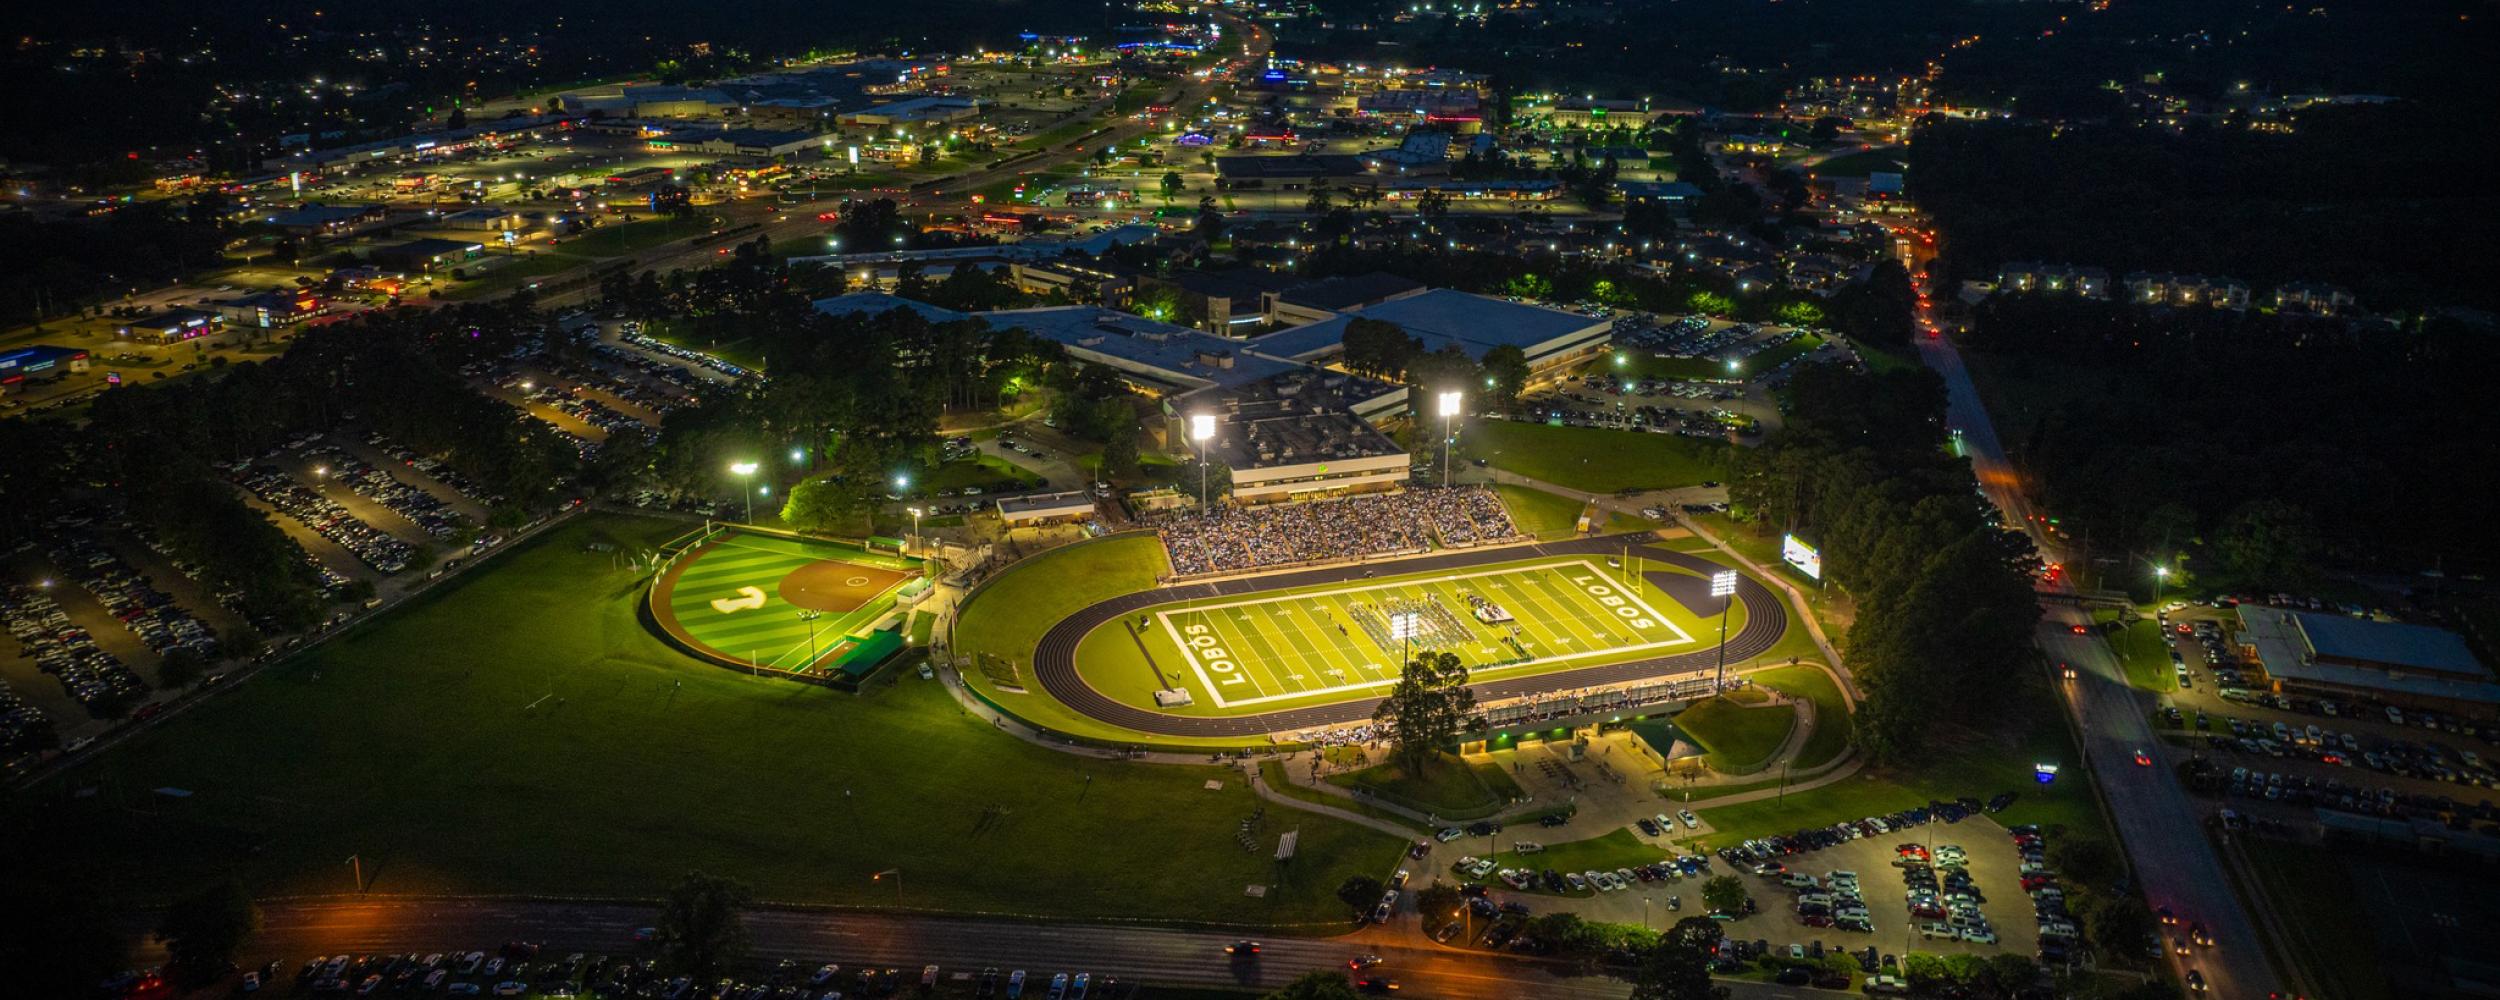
column 521, row 731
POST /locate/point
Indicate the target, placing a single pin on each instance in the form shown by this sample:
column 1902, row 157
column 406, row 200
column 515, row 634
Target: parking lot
column 2277, row 755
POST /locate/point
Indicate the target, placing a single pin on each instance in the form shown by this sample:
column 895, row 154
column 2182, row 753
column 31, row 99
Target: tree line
column 158, row 449
column 1944, row 598
column 2265, row 449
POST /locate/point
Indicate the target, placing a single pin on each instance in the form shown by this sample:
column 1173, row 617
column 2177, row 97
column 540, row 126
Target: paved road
column 2162, row 827
column 293, row 932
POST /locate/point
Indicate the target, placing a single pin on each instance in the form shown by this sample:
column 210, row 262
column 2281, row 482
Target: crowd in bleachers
column 1230, row 539
column 1466, row 514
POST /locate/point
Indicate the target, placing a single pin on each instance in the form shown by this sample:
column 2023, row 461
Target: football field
column 1350, row 639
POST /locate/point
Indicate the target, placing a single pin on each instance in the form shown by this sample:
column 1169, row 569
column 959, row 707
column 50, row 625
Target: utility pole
column 1723, row 587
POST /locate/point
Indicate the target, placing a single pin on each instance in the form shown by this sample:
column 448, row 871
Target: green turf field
column 519, row 731
column 1596, row 459
column 736, row 596
column 1334, row 642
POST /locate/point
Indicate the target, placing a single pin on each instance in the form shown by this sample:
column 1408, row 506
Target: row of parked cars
column 428, row 512
column 632, row 334
column 97, row 679
column 373, row 546
column 151, row 614
column 1761, row 855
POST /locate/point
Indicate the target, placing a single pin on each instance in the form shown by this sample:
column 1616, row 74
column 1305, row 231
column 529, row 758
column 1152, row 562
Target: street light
column 1723, row 587
column 1449, row 412
column 2161, row 575
column 1201, row 429
column 746, row 471
column 915, row 526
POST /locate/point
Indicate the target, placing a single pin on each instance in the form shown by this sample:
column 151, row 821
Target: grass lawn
column 1538, row 513
column 1767, row 360
column 1862, row 163
column 513, row 275
column 521, row 732
column 619, row 239
column 1450, row 789
column 1960, row 763
column 1060, row 134
column 1273, row 771
column 2143, row 653
column 1737, row 737
column 1597, row 460
column 989, row 472
column 1831, row 712
column 2328, row 920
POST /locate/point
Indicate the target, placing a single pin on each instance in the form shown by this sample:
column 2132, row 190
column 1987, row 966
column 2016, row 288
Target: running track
column 1054, row 660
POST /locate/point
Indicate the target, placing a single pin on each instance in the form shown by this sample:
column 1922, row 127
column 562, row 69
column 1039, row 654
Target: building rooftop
column 431, row 247
column 766, row 137
column 1666, row 190
column 1297, row 165
column 1476, row 323
column 1174, row 355
column 1351, row 291
column 1305, row 415
column 880, row 303
column 2349, row 652
column 318, row 214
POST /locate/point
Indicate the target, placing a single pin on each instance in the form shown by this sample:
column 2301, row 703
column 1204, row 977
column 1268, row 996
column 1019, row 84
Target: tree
column 1378, row 348
column 1171, row 186
column 1724, row 894
column 66, row 946
column 701, row 928
column 825, row 505
column 1319, row 203
column 1324, row 984
column 1119, row 456
column 1506, row 368
column 2087, row 861
column 1434, row 206
column 1425, row 710
column 1210, row 223
column 1439, row 903
column 181, row 666
column 2117, row 924
column 201, row 932
column 1360, row 892
column 2267, row 542
column 1678, row 966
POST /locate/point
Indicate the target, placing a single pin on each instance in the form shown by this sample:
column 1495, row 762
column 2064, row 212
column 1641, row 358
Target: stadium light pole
column 1449, row 411
column 746, row 471
column 1201, row 430
column 1723, row 587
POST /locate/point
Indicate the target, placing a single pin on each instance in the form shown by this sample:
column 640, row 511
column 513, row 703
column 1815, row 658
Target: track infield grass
column 521, row 731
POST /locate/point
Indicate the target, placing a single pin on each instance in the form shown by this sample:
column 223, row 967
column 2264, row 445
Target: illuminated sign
column 1801, row 555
